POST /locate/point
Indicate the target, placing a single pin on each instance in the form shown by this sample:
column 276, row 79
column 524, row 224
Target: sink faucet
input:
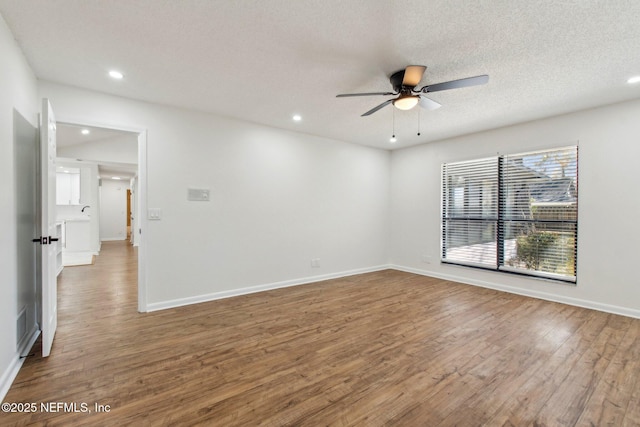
column 85, row 207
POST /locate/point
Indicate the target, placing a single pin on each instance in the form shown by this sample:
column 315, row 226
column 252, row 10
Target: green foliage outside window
column 549, row 251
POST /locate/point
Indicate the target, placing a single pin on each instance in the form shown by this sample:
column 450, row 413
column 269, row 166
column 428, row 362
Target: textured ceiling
column 263, row 61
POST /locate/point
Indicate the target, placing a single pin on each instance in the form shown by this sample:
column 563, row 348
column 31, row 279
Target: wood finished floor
column 385, row 348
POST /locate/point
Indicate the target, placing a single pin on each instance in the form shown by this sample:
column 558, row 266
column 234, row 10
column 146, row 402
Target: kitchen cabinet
column 68, row 186
column 77, row 238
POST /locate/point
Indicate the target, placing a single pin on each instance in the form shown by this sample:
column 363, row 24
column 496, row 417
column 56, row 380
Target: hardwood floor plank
column 384, row 348
column 512, row 364
column 609, row 402
column 523, row 406
column 632, row 414
column 568, row 402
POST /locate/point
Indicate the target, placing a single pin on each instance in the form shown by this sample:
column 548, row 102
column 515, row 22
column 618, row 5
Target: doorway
column 116, row 157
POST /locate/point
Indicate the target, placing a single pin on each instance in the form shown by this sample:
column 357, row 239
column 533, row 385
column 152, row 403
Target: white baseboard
column 14, row 367
column 259, row 288
column 594, row 305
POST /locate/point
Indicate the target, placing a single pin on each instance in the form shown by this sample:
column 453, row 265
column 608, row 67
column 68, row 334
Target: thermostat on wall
column 198, row 195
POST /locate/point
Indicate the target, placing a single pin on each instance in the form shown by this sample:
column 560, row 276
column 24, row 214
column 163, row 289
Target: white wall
column 278, row 198
column 609, row 204
column 113, row 210
column 17, row 90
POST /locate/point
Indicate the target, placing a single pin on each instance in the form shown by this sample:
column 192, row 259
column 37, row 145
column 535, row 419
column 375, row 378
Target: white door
column 48, row 226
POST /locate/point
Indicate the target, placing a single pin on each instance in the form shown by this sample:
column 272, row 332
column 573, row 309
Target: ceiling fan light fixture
column 406, row 102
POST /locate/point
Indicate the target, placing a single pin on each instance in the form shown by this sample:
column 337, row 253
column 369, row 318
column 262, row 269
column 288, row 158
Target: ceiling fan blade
column 455, row 84
column 344, row 95
column 374, row 109
column 413, row 75
column 429, row 104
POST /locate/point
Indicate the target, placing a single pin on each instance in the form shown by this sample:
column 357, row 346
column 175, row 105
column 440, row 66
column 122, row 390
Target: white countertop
column 75, row 219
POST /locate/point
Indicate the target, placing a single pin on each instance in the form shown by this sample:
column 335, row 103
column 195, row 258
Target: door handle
column 45, row 240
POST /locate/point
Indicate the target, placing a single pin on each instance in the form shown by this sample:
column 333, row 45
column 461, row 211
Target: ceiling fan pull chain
column 419, row 121
column 393, row 124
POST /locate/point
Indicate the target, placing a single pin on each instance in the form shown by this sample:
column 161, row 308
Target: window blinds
column 515, row 213
column 539, row 212
column 470, row 212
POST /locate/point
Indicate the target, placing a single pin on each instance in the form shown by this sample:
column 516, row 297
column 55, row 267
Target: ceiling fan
column 404, row 84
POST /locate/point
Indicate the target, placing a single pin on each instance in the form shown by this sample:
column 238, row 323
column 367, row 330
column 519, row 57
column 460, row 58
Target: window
column 470, row 212
column 516, row 213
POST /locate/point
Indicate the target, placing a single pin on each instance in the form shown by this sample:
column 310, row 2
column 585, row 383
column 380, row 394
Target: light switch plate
column 154, row 214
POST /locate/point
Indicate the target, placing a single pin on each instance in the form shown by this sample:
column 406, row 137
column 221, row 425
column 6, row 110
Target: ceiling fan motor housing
column 396, row 82
column 407, row 100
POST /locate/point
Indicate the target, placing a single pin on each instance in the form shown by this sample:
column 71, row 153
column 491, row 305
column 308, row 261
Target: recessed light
column 85, row 131
column 116, row 74
column 297, row 117
column 634, row 79
column 115, row 177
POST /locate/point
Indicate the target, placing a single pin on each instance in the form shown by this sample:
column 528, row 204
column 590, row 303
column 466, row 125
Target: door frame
column 141, row 224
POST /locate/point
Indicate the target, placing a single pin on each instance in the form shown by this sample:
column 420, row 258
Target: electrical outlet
column 427, row 259
column 315, row 262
